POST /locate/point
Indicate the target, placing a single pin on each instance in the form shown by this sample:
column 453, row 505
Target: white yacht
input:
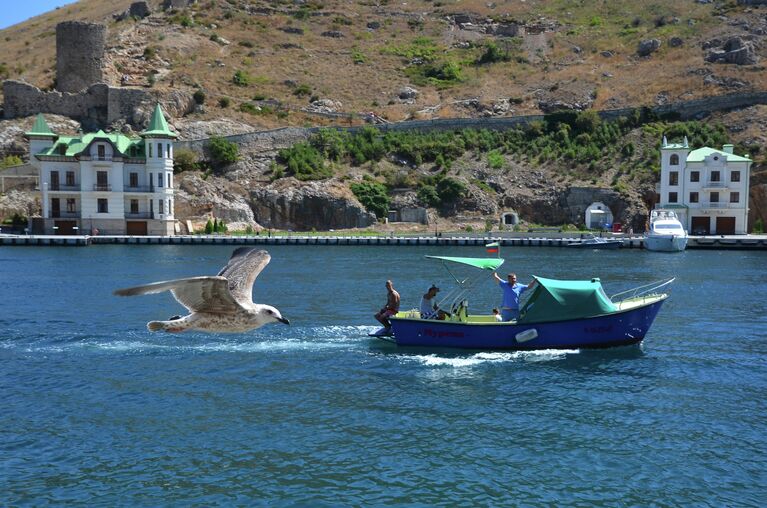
column 666, row 233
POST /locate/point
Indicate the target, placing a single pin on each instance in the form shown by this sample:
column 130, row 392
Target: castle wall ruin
column 79, row 55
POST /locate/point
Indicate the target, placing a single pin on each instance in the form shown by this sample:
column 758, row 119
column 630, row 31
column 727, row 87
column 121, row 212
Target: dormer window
column 674, row 160
column 101, row 150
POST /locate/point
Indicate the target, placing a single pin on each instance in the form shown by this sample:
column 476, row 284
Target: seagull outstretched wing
column 241, row 272
column 198, row 294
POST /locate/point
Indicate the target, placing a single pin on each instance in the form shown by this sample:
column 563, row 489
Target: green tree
column 208, row 227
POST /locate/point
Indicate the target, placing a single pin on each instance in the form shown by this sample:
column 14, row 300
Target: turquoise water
column 98, row 411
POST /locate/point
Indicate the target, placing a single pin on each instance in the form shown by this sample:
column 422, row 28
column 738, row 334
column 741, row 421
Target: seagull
column 220, row 303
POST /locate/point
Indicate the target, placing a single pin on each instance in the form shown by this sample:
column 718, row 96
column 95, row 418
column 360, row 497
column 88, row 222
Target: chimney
column 727, row 148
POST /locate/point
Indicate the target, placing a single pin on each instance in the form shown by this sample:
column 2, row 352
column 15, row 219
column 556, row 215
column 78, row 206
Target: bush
column 495, row 159
column 304, row 162
column 199, row 97
column 373, row 197
column 427, row 194
column 302, row 91
column 10, row 160
column 185, row 160
column 241, row 78
column 208, row 227
column 224, row 102
column 493, row 54
column 223, row 151
column 450, row 190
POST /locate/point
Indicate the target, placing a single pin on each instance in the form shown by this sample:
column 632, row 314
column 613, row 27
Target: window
column 168, row 182
column 167, row 152
column 102, row 152
column 133, row 180
column 134, row 206
column 103, row 205
column 695, row 176
column 160, row 206
column 734, row 197
column 54, row 180
column 693, row 197
column 713, row 197
column 672, row 197
column 715, row 176
column 673, row 178
column 735, row 176
column 674, row 161
column 70, row 178
column 71, row 205
column 102, row 180
column 159, row 150
column 159, row 179
column 150, row 149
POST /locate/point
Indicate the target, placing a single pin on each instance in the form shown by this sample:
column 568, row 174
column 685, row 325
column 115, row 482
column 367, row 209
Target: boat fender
column 528, row 334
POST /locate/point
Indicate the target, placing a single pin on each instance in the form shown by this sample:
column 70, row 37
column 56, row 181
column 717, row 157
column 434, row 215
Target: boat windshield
column 668, row 227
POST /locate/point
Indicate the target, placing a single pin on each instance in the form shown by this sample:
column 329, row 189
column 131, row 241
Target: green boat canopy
column 560, row 300
column 482, row 263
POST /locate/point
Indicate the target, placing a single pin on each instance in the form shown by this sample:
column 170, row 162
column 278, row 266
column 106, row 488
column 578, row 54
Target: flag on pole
column 493, row 248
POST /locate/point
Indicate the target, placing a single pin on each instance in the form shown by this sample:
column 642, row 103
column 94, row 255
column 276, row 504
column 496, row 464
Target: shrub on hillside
column 304, row 162
column 373, row 196
column 222, row 151
column 185, row 159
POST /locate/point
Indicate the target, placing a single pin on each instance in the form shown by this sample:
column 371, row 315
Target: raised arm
column 497, row 279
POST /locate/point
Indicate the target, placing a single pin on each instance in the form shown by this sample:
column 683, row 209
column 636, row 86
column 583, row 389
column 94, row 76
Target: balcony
column 139, row 188
column 714, row 185
column 63, row 188
column 139, row 215
column 102, row 187
column 57, row 214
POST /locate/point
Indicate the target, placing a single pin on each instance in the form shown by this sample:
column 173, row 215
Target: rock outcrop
column 291, row 204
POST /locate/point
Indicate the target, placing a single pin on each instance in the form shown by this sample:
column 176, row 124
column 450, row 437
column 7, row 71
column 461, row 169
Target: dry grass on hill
column 204, row 45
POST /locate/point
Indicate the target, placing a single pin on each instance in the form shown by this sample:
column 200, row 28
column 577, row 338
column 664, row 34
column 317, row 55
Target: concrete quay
column 734, row 242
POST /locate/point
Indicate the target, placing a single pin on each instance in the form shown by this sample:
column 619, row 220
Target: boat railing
column 645, row 291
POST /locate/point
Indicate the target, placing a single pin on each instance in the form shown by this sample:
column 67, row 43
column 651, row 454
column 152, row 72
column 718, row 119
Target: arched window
column 674, row 161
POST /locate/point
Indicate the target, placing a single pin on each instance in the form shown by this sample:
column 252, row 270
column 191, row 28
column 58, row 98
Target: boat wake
column 456, row 361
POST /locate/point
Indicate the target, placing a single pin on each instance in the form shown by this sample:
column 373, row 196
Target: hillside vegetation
column 267, row 64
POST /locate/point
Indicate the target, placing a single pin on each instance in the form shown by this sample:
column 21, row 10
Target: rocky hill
column 233, row 66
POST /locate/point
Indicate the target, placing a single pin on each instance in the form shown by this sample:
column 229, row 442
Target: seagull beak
column 283, row 320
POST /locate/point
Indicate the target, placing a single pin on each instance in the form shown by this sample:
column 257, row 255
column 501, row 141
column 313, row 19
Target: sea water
column 96, row 410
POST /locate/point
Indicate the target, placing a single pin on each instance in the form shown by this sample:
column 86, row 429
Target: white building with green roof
column 708, row 188
column 105, row 183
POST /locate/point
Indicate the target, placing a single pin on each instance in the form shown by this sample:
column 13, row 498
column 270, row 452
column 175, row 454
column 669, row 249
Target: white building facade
column 708, row 188
column 102, row 183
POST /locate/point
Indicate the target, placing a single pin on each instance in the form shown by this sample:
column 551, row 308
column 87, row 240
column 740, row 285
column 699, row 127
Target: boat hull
column 616, row 329
column 665, row 243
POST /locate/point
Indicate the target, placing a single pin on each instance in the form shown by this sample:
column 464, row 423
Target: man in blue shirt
column 511, row 293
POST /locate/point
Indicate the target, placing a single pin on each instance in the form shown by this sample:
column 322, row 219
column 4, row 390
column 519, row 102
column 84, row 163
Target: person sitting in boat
column 511, row 293
column 429, row 308
column 497, row 314
column 391, row 307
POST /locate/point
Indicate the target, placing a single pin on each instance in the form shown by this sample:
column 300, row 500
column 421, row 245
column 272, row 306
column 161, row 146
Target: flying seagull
column 220, row 303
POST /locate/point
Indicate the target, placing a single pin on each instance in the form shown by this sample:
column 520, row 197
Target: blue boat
column 559, row 314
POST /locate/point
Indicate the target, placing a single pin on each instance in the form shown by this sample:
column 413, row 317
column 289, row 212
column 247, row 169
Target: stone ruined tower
column 79, row 55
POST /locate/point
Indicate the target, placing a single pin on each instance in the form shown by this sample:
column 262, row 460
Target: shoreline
column 718, row 242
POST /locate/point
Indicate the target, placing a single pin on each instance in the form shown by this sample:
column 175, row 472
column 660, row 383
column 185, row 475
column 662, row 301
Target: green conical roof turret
column 40, row 128
column 158, row 127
